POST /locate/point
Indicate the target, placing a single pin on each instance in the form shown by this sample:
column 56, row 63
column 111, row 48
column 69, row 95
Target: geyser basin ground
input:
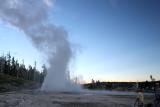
column 83, row 99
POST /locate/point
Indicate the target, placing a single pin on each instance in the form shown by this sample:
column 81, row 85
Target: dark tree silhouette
column 10, row 66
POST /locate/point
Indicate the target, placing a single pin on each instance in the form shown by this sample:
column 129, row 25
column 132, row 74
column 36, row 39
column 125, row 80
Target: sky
column 116, row 40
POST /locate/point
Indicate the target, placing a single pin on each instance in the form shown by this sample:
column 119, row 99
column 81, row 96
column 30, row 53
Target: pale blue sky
column 118, row 39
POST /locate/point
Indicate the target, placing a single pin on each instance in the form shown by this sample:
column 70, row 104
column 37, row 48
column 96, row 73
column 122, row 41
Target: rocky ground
column 83, row 99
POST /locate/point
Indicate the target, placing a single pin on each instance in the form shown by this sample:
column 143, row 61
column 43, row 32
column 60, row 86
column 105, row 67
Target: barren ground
column 54, row 99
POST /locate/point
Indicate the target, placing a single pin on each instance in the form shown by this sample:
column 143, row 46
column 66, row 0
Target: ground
column 36, row 98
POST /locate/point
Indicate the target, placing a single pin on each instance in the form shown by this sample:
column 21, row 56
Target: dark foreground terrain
column 11, row 83
column 82, row 99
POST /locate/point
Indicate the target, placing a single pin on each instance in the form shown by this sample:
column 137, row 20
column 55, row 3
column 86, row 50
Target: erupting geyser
column 31, row 17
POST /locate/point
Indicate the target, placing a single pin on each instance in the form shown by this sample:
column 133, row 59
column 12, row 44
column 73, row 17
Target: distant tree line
column 10, row 66
column 110, row 85
column 146, row 85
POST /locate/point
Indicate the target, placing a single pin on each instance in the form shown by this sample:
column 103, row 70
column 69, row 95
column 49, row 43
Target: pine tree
column 8, row 63
column 10, row 66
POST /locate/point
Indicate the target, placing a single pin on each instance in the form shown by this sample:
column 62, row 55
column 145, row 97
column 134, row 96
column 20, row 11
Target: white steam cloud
column 31, row 17
column 48, row 2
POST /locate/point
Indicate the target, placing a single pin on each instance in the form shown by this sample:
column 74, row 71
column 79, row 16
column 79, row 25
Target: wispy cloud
column 49, row 3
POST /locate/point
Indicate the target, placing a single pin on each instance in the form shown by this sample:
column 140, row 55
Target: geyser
column 31, row 17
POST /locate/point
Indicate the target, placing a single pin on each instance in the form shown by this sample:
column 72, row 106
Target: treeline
column 97, row 85
column 10, row 66
column 122, row 86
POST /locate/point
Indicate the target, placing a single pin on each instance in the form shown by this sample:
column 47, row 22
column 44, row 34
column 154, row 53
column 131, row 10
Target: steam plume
column 31, row 17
